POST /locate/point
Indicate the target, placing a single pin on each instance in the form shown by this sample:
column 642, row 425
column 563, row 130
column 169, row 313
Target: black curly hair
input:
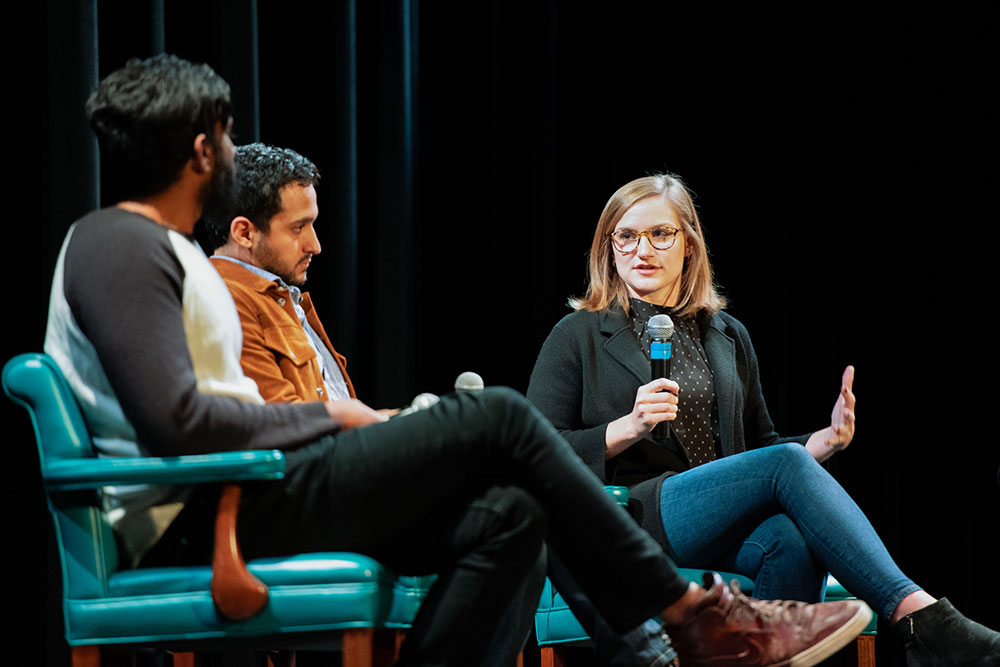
column 261, row 172
column 146, row 116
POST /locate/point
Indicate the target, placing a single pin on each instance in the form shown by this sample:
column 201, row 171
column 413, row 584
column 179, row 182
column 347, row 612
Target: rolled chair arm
column 76, row 474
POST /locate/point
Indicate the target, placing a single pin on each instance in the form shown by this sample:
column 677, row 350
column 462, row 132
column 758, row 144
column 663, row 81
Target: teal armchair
column 319, row 600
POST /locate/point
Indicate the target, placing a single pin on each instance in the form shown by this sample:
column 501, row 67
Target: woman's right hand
column 655, row 402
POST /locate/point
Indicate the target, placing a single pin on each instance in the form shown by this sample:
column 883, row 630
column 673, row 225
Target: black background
column 840, row 157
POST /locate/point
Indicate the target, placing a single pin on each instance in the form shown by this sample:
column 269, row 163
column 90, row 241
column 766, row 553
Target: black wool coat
column 587, row 374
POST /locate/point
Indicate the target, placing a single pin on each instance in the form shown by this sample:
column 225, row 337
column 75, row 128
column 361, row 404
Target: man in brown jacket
column 263, row 255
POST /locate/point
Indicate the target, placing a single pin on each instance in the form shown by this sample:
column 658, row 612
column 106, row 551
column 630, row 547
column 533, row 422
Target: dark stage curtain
column 842, row 162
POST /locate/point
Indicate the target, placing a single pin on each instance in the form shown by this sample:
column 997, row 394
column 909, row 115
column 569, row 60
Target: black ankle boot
column 939, row 636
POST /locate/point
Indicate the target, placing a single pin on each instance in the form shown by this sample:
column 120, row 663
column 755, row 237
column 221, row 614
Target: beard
column 218, row 195
column 267, row 259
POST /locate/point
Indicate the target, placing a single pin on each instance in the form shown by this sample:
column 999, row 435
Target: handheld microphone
column 661, row 329
column 420, row 402
column 468, row 381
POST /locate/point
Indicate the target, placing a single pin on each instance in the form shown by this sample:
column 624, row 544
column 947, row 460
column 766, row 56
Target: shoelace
column 743, row 608
column 675, row 661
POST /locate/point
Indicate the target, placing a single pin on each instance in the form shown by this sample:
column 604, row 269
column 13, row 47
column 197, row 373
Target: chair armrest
column 75, row 474
column 236, row 592
column 618, row 493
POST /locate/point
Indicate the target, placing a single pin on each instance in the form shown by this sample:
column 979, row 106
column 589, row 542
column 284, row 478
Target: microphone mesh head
column 424, row 401
column 660, row 326
column 468, row 381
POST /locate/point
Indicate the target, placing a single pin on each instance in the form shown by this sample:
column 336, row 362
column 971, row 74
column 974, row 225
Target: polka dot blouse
column 696, row 428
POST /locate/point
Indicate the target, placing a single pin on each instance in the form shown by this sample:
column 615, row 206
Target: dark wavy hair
column 146, row 116
column 261, row 172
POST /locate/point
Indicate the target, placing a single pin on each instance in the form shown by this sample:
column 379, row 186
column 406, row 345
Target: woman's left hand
column 842, row 418
column 828, row 441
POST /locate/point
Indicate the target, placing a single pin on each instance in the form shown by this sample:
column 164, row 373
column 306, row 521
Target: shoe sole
column 834, row 642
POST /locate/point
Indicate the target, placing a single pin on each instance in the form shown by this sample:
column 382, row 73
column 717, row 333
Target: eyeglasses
column 661, row 238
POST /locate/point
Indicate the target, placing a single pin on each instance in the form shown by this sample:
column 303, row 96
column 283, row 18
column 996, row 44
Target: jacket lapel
column 619, row 343
column 721, row 351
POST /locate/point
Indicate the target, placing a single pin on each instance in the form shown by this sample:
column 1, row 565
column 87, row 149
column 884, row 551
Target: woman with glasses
column 717, row 487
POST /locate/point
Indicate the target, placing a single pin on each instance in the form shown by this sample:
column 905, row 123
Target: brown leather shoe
column 728, row 628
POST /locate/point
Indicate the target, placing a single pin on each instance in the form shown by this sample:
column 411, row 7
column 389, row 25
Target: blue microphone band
column 659, row 350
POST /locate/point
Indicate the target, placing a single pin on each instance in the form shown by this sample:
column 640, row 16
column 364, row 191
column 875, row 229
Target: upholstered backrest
column 34, row 381
column 86, row 543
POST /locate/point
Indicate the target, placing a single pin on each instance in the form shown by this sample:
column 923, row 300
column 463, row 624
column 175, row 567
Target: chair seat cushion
column 298, row 570
column 307, row 592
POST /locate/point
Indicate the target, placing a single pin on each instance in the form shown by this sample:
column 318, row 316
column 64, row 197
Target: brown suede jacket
column 276, row 353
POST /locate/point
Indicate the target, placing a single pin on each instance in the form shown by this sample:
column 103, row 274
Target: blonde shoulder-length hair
column 698, row 292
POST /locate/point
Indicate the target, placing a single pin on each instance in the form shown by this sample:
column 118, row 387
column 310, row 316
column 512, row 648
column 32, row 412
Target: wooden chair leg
column 281, row 659
column 866, row 650
column 552, row 656
column 184, row 660
column 862, row 654
column 368, row 647
column 86, row 656
column 357, row 646
column 399, row 636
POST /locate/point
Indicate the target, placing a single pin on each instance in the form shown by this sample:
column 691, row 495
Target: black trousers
column 468, row 489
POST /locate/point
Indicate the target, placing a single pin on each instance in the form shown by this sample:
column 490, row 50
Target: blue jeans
column 775, row 515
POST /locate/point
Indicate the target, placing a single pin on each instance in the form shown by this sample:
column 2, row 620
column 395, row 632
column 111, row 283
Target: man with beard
column 129, row 280
column 263, row 249
column 147, row 335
